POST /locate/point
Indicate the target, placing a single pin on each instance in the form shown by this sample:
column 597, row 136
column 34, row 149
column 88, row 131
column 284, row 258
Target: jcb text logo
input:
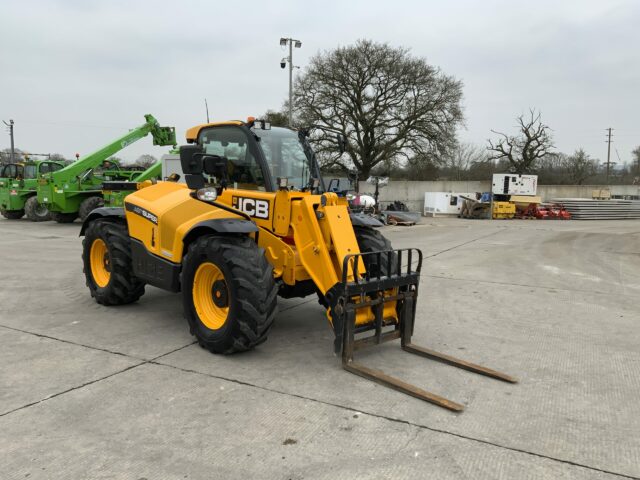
column 251, row 206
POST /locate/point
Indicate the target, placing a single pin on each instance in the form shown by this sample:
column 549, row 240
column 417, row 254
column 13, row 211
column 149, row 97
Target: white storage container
column 443, row 203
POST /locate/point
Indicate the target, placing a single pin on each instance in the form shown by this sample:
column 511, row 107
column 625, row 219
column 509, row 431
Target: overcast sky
column 76, row 74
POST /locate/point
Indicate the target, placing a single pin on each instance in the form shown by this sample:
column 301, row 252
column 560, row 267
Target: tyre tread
column 124, row 287
column 251, row 278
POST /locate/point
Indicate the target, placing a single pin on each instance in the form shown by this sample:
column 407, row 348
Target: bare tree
column 523, row 150
column 458, row 164
column 277, row 119
column 580, row 167
column 389, row 105
column 145, row 161
column 5, row 155
column 636, row 160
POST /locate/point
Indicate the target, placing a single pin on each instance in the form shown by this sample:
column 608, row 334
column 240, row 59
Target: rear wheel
column 12, row 214
column 64, row 217
column 36, row 211
column 108, row 267
column 88, row 205
column 229, row 293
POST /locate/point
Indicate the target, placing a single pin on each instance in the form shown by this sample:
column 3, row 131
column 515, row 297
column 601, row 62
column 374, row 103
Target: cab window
column 13, row 171
column 244, row 171
column 49, row 167
column 30, row 171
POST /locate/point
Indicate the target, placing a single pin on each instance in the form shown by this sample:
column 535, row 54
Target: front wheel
column 36, row 212
column 108, row 265
column 12, row 214
column 229, row 293
column 371, row 240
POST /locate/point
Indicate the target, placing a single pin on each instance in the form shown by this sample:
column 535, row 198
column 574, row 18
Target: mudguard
column 102, row 212
column 220, row 225
column 362, row 220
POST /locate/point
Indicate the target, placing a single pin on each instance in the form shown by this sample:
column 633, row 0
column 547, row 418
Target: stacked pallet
column 587, row 209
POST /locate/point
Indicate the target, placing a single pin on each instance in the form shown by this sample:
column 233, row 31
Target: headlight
column 208, row 194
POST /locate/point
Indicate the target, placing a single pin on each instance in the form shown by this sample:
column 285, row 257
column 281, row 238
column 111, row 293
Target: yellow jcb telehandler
column 254, row 222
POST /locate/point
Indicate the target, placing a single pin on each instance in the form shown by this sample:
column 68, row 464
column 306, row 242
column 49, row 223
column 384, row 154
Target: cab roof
column 193, row 132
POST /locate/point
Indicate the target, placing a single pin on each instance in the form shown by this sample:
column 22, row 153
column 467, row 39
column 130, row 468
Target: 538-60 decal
column 142, row 212
column 253, row 207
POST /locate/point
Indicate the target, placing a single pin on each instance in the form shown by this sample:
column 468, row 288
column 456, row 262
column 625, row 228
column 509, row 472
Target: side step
column 398, row 284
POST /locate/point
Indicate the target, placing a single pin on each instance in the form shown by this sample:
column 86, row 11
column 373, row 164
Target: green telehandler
column 114, row 192
column 77, row 189
column 18, row 185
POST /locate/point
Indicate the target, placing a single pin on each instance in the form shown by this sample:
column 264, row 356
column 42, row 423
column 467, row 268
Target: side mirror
column 342, row 143
column 215, row 165
column 191, row 159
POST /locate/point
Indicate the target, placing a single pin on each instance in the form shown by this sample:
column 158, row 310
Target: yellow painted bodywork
column 304, row 236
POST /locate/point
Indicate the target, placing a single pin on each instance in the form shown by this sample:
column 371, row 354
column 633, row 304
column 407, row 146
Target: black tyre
column 371, row 240
column 12, row 214
column 35, row 211
column 64, row 217
column 229, row 293
column 88, row 205
column 108, row 268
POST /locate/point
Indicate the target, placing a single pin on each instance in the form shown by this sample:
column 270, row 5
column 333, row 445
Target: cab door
column 249, row 186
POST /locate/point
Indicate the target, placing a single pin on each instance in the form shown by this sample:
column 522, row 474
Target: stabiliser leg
column 406, row 296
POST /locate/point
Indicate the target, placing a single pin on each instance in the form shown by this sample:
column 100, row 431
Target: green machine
column 77, row 189
column 18, row 189
column 114, row 192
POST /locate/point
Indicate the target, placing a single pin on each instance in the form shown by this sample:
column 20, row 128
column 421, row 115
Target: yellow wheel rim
column 100, row 263
column 210, row 296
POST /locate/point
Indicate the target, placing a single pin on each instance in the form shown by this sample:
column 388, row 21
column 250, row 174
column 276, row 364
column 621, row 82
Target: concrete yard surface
column 88, row 391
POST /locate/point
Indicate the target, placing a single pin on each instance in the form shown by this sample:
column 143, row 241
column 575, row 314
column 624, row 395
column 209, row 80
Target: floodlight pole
column 297, row 43
column 290, row 82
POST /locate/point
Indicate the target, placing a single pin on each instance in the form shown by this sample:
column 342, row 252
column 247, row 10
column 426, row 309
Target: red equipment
column 554, row 211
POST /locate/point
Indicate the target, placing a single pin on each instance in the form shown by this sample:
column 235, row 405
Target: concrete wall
column 412, row 193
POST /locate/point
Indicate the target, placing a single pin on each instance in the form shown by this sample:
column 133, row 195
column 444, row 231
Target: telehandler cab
column 254, row 221
column 18, row 189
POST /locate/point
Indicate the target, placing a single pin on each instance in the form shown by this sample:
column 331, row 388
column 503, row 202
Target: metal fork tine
column 456, row 362
column 369, row 292
column 397, row 384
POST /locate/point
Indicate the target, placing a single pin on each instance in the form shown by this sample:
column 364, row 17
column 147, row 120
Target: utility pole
column 13, row 150
column 292, row 43
column 608, row 152
column 206, row 106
